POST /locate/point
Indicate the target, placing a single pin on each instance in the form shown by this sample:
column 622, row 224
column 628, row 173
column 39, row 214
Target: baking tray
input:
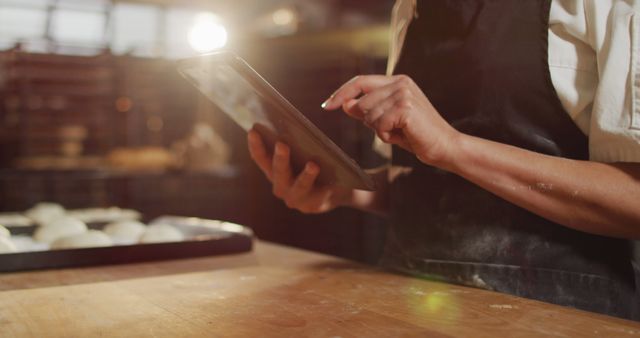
column 205, row 238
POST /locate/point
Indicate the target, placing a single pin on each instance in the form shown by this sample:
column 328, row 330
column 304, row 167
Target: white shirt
column 594, row 66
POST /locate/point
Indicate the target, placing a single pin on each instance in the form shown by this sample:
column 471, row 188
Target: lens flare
column 207, row 33
column 435, row 301
column 283, row 16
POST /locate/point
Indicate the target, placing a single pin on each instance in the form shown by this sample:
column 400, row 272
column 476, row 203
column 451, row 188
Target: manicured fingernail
column 325, row 103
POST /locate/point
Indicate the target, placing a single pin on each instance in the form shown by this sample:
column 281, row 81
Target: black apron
column 483, row 65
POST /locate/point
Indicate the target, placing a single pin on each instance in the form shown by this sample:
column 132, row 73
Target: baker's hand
column 301, row 192
column 399, row 112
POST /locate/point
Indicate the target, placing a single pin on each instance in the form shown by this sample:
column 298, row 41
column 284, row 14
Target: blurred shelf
column 119, row 100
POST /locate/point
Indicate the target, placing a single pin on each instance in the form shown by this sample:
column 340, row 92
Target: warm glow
column 207, row 33
column 283, row 17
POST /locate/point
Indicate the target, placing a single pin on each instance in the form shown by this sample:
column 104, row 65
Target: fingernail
column 280, row 149
column 325, row 103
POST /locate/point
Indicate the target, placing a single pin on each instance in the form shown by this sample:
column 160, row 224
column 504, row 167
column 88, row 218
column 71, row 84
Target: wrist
column 368, row 201
column 450, row 154
column 344, row 198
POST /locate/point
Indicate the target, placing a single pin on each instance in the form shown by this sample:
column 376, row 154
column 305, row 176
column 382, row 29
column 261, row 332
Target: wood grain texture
column 276, row 291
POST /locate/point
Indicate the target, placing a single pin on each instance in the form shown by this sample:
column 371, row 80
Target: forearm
column 588, row 196
column 376, row 202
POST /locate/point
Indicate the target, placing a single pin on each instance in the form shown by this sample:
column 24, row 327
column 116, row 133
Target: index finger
column 362, row 84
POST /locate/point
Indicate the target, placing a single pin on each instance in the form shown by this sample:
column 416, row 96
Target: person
column 515, row 130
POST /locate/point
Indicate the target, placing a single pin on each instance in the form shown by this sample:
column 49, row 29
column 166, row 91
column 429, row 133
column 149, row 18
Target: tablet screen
column 223, row 85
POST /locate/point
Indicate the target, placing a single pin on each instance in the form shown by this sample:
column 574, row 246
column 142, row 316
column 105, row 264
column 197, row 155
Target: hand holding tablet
column 250, row 101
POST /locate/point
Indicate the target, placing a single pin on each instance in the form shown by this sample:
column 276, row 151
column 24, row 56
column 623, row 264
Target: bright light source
column 207, row 33
column 283, row 16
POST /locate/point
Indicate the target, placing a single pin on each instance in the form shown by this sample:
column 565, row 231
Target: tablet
column 249, row 100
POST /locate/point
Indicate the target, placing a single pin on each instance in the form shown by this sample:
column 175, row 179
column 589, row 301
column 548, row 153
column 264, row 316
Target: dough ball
column 104, row 215
column 159, row 233
column 89, row 239
column 45, row 212
column 61, row 227
column 15, row 219
column 6, row 246
column 125, row 231
column 65, row 222
column 25, row 243
column 4, row 232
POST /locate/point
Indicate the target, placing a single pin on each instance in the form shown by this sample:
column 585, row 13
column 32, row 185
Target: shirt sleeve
column 595, row 68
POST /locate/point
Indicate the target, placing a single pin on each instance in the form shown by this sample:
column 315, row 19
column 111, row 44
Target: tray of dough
column 70, row 242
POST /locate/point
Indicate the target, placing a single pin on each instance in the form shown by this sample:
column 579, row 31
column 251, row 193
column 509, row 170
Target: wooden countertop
column 273, row 291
